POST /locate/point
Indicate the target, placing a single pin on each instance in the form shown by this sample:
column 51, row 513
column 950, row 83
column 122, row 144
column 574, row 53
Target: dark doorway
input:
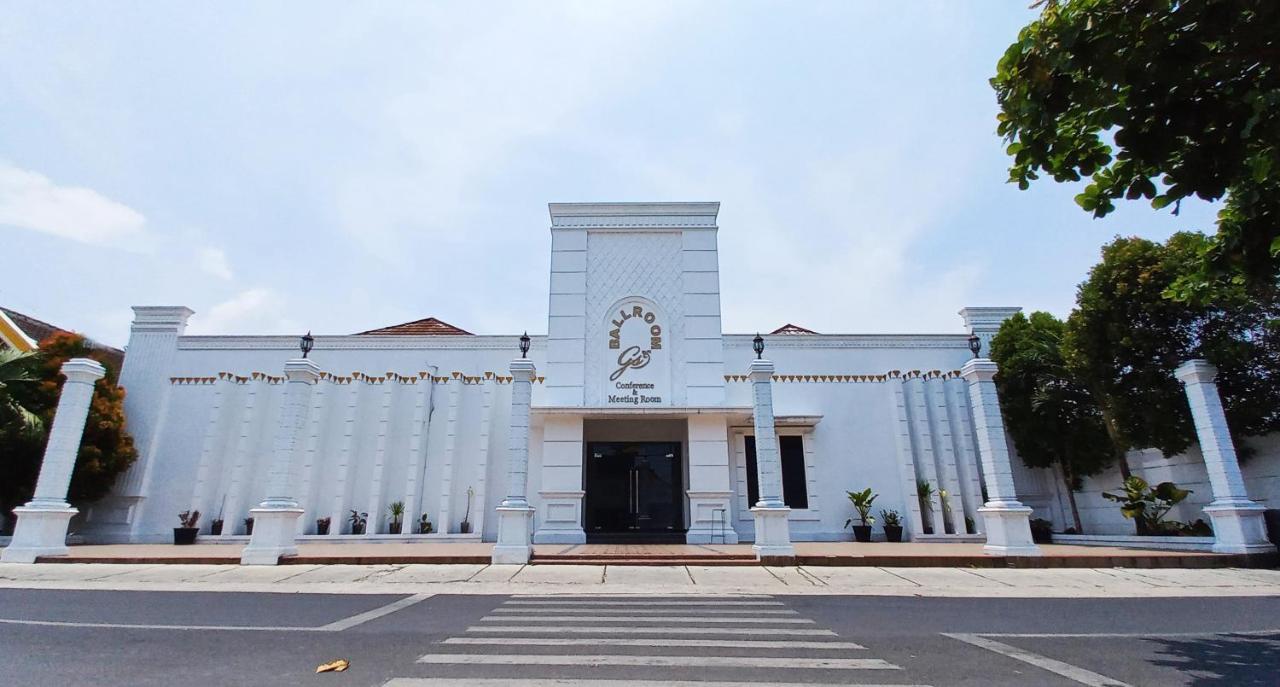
column 634, row 492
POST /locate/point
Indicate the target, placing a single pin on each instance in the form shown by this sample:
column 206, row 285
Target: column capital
column 302, row 370
column 979, row 370
column 161, row 318
column 1196, row 371
column 83, row 370
column 523, row 369
column 761, row 370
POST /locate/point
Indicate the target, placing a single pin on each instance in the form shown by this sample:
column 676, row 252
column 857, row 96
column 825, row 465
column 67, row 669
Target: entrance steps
column 604, row 554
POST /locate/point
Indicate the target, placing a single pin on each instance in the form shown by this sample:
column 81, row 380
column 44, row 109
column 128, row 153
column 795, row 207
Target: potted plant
column 862, row 501
column 397, row 516
column 215, row 527
column 1146, row 505
column 924, row 491
column 424, row 524
column 1041, row 531
column 187, row 533
column 947, row 521
column 465, row 526
column 358, row 521
column 248, row 526
column 892, row 525
column 322, row 525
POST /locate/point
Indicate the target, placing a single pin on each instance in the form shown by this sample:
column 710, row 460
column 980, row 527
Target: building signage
column 636, row 361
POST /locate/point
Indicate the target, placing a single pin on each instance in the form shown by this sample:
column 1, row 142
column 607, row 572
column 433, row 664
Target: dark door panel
column 633, row 488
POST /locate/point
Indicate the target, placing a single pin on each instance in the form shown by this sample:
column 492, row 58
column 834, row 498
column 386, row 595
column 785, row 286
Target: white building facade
column 640, row 426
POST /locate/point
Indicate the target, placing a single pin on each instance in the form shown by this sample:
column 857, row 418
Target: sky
column 337, row 167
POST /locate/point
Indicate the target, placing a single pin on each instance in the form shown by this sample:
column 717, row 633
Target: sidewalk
column 668, row 580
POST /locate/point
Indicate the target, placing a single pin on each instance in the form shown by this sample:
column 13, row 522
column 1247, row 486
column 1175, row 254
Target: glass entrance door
column 633, row 488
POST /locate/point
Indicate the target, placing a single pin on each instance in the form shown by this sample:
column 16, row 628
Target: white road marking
column 643, row 611
column 662, row 661
column 656, row 619
column 611, row 641
column 1128, row 635
column 361, row 618
column 335, row 626
column 690, row 602
column 598, row 630
column 1073, row 673
column 570, row 682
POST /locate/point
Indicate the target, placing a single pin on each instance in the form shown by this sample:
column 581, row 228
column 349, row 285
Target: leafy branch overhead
column 1160, row 100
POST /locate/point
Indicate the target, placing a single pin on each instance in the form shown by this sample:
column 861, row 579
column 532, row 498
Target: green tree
column 1052, row 418
column 106, row 449
column 17, row 368
column 1125, row 339
column 1155, row 99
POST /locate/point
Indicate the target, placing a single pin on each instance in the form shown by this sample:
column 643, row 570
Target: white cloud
column 31, row 200
column 257, row 310
column 214, row 261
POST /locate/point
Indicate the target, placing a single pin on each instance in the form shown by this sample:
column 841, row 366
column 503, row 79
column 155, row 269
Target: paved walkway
column 621, row 579
column 808, row 553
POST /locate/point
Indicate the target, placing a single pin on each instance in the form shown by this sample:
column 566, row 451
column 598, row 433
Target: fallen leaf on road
column 333, row 666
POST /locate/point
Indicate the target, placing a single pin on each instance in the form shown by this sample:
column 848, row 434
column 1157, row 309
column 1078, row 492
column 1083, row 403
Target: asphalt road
column 69, row 638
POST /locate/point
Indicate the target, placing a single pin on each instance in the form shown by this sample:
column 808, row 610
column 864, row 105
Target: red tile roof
column 40, row 330
column 427, row 326
column 792, row 329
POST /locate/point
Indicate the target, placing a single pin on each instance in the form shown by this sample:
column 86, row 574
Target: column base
column 274, row 535
column 561, row 518
column 1238, row 527
column 773, row 536
column 704, row 527
column 513, row 546
column 39, row 532
column 1008, row 529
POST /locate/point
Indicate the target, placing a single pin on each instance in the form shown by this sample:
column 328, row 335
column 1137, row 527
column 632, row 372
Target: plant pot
column 426, row 529
column 394, row 528
column 862, row 533
column 465, row 527
column 215, row 527
column 248, row 527
column 322, row 528
column 184, row 536
column 357, row 529
column 893, row 533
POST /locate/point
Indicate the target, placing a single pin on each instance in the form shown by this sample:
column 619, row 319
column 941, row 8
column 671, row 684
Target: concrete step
column 646, row 560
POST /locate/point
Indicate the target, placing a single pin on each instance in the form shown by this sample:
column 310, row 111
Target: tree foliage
column 1053, row 419
column 1155, row 99
column 1125, row 339
column 106, row 449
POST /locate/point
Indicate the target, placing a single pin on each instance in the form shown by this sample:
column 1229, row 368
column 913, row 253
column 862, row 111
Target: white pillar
column 1238, row 525
column 513, row 545
column 275, row 520
column 1007, row 522
column 773, row 531
column 42, row 523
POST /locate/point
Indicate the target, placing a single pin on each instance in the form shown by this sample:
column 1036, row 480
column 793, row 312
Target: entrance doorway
column 633, row 492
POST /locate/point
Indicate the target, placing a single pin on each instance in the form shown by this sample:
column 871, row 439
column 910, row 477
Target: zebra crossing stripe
column 691, row 602
column 613, row 660
column 569, row 682
column 648, row 611
column 656, row 619
column 692, row 643
column 602, row 630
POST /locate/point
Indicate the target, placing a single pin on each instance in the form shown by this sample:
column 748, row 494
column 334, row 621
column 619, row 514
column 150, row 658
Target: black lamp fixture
column 975, row 344
column 758, row 344
column 524, row 344
column 307, row 343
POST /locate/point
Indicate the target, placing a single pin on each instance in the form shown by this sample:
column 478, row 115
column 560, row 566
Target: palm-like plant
column 18, row 367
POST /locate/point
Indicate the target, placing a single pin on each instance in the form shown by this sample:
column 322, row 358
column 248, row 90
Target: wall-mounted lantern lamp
column 758, row 344
column 524, row 344
column 307, row 343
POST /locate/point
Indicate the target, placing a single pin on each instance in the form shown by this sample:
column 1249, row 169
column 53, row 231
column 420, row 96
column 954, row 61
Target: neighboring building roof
column 791, row 329
column 39, row 330
column 429, row 326
column 12, row 335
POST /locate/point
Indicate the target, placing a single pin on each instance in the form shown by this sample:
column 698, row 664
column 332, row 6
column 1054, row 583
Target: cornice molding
column 361, row 342
column 946, row 341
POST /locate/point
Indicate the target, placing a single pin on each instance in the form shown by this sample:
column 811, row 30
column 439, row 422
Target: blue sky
column 279, row 167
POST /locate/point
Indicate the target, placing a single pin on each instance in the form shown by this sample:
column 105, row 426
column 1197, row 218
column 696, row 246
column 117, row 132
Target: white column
column 773, row 531
column 709, row 481
column 275, row 520
column 1007, row 522
column 513, row 546
column 42, row 523
column 1238, row 525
